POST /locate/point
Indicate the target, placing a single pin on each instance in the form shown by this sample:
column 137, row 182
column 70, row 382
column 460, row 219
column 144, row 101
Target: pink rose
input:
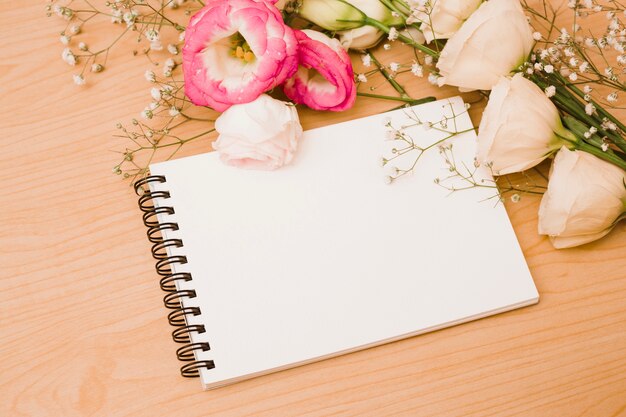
column 235, row 50
column 262, row 134
column 325, row 79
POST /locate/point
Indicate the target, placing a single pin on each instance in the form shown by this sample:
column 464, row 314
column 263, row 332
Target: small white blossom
column 417, row 70
column 65, row 40
column 393, row 34
column 573, row 76
column 174, row 111
column 155, row 93
column 550, row 91
column 181, row 36
column 386, row 47
column 68, row 56
column 432, row 78
column 537, row 36
column 584, row 67
column 587, row 89
column 172, row 49
column 516, row 198
column 150, row 76
column 605, row 147
column 590, row 109
column 549, row 69
column 96, row 68
column 75, row 29
column 394, row 66
column 116, row 16
column 388, row 180
column 82, row 46
column 79, row 79
column 362, row 78
column 366, row 59
column 428, row 60
column 612, row 98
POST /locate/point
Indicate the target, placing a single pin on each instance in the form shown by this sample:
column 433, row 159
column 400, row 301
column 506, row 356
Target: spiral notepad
column 264, row 271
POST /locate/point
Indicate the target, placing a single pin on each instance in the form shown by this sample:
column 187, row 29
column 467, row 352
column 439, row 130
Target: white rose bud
column 494, row 41
column 336, row 15
column 520, row 127
column 360, row 38
column 262, row 134
column 446, row 17
column 586, row 197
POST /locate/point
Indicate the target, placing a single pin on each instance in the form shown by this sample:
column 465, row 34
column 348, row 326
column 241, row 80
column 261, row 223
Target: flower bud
column 343, row 15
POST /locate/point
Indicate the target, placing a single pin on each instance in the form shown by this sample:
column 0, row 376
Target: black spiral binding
column 177, row 316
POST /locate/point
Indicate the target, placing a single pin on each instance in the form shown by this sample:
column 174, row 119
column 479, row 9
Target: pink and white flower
column 325, row 79
column 235, row 50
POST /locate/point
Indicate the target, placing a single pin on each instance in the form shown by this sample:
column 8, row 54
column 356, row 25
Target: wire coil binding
column 172, row 299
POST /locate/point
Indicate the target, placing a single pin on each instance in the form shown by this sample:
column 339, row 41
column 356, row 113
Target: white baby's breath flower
column 393, row 34
column 75, row 29
column 394, row 66
column 78, row 79
column 173, row 111
column 68, row 56
column 150, row 76
column 587, row 89
column 362, row 78
column 82, row 46
column 590, row 109
column 537, row 36
column 181, row 36
column 155, row 93
column 417, row 70
column 549, row 69
column 432, row 78
column 386, row 47
column 116, row 16
column 65, row 40
column 550, row 91
column 573, row 76
column 612, row 98
column 604, row 147
column 366, row 59
column 96, row 68
column 428, row 60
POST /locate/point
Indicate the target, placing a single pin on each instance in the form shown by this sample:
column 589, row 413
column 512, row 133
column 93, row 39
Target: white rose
column 520, row 127
column 336, row 15
column 445, row 17
column 262, row 134
column 494, row 41
column 586, row 197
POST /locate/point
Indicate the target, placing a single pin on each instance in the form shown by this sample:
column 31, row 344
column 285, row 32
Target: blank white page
column 321, row 257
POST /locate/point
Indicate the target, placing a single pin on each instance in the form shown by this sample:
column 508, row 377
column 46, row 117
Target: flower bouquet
column 240, row 67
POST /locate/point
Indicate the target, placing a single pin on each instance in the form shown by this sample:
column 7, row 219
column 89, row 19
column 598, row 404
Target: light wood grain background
column 83, row 329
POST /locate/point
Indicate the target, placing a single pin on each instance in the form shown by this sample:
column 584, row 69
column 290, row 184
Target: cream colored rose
column 493, row 42
column 520, row 127
column 262, row 134
column 586, row 197
column 444, row 18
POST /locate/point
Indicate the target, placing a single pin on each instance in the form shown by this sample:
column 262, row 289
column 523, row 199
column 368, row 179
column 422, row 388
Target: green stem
column 388, row 76
column 381, row 26
column 612, row 158
column 407, row 100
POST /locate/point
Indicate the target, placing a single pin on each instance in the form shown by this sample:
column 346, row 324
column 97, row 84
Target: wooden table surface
column 84, row 332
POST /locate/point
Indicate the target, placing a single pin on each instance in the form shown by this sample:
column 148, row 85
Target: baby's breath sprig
column 159, row 131
column 147, row 19
column 407, row 148
column 588, row 56
column 463, row 177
